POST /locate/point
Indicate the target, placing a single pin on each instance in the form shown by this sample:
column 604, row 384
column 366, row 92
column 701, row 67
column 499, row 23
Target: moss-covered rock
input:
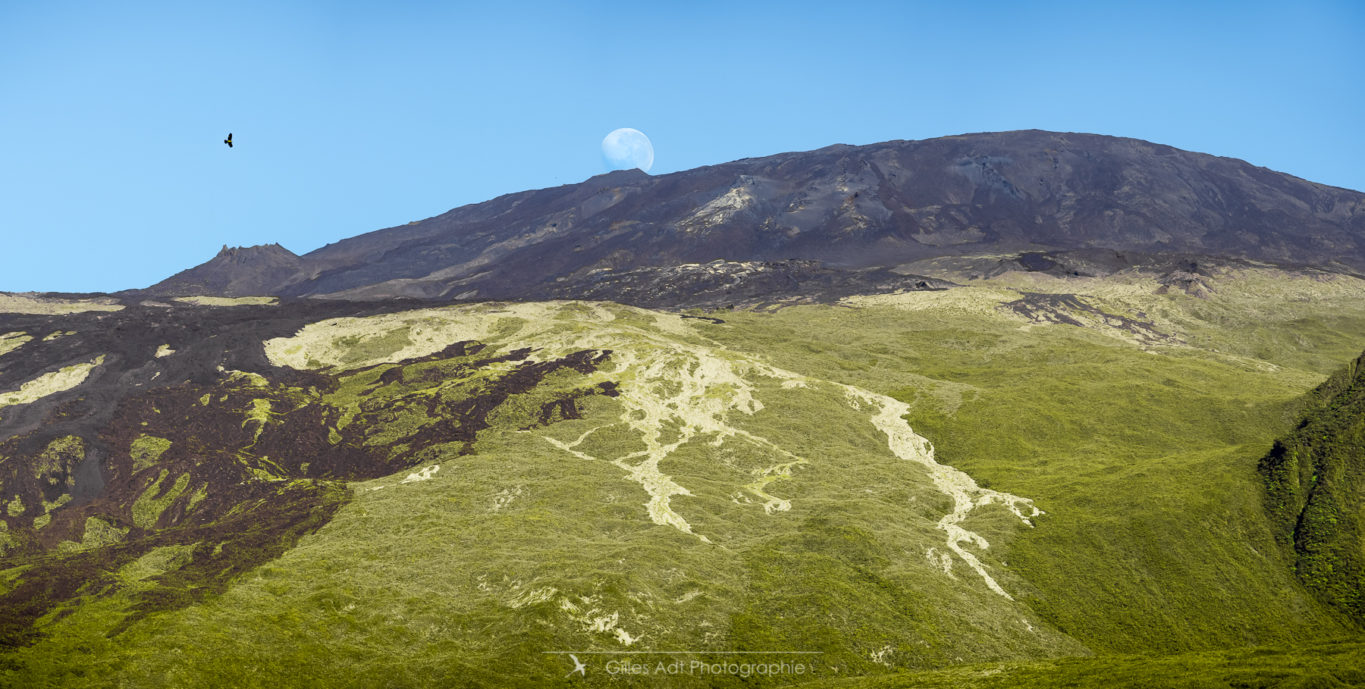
column 98, row 533
column 56, row 465
column 12, row 341
column 146, row 450
column 148, row 508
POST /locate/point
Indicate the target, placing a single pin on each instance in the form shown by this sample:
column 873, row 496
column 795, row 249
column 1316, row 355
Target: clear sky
column 350, row 117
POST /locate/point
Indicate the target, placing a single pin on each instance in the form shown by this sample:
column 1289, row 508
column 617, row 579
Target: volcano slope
column 1025, row 479
column 730, row 232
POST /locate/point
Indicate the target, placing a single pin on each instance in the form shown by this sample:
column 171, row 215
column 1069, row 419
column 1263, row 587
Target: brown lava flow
column 236, row 492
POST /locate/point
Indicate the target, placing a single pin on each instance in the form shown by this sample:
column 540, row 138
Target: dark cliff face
column 1315, row 486
column 849, row 208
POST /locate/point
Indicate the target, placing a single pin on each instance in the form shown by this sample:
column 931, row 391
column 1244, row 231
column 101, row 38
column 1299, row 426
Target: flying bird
column 228, row 140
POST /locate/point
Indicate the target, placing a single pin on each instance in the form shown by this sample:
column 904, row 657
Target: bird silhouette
column 228, row 140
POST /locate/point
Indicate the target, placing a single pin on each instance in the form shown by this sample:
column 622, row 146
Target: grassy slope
column 1155, row 538
column 1329, row 664
column 522, row 547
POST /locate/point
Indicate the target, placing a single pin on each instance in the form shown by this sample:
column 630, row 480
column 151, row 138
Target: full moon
column 627, row 148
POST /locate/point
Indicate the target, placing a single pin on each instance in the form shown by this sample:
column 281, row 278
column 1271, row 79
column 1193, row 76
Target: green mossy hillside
column 455, row 496
column 1315, row 490
column 1330, row 665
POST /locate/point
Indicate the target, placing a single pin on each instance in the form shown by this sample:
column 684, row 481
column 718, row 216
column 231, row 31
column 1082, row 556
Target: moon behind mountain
column 626, row 148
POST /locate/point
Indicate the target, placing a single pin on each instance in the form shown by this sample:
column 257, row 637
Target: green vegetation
column 1315, row 484
column 363, row 348
column 156, row 499
column 146, row 450
column 1332, row 664
column 58, row 460
column 20, row 303
column 12, row 341
column 98, row 533
column 49, row 383
column 1143, row 458
column 229, row 301
column 157, row 561
column 595, row 477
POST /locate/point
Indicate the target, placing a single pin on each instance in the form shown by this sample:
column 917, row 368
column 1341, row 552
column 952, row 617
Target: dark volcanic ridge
column 622, row 235
column 729, row 284
column 239, row 271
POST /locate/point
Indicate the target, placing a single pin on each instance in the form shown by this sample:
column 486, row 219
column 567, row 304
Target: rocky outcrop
column 236, row 272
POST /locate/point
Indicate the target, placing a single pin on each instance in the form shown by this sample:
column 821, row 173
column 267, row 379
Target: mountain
column 847, row 208
column 1072, row 412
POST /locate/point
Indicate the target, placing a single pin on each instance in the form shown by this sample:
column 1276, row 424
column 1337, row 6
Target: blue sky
column 350, row 117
